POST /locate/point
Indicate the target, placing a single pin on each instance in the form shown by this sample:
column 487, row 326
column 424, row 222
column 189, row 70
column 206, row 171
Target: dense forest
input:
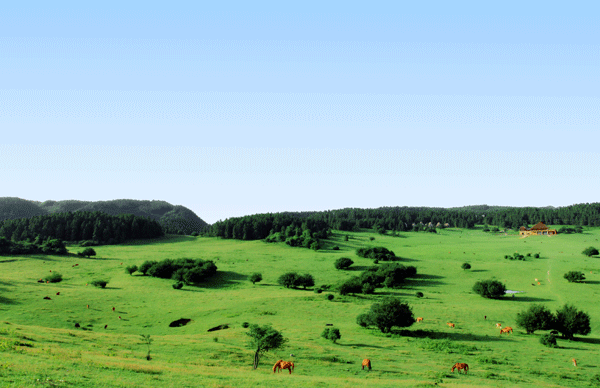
column 173, row 219
column 400, row 219
column 80, row 225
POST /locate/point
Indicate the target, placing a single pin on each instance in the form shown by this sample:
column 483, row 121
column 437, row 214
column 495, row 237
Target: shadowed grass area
column 40, row 344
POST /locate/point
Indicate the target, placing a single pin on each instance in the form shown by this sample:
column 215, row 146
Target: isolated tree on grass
column 146, row 340
column 492, row 289
column 387, row 314
column 590, row 251
column 465, row 266
column 130, row 269
column 264, row 339
column 574, row 276
column 331, row 333
column 343, row 263
column 288, row 279
column 536, row 317
column 255, row 277
column 87, row 252
column 570, row 321
column 306, row 280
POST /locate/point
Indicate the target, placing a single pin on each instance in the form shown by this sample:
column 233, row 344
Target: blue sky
column 236, row 108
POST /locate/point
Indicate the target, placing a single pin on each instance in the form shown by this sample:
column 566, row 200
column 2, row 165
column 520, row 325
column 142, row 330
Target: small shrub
column 178, row 285
column 318, row 291
column 549, row 340
column 574, row 276
column 336, row 248
column 346, row 237
column 56, row 277
column 371, row 238
column 245, row 325
column 537, row 255
column 590, row 251
column 130, row 269
column 216, row 339
column 88, row 252
column 330, row 296
column 99, row 283
column 419, row 294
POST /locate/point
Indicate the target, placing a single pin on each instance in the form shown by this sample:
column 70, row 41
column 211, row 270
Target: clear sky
column 236, row 108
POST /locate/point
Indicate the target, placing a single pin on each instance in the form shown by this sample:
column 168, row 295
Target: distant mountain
column 173, row 218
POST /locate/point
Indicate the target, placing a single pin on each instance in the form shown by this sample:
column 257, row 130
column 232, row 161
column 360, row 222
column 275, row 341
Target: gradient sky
column 235, row 108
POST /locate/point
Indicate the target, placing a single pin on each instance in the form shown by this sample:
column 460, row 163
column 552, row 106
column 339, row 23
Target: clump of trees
column 492, row 289
column 590, row 251
column 387, row 314
column 189, row 271
column 569, row 230
column 377, row 253
column 264, row 339
column 46, row 247
column 574, row 276
column 515, row 256
column 293, row 280
column 331, row 333
column 343, row 263
column 568, row 320
column 390, row 275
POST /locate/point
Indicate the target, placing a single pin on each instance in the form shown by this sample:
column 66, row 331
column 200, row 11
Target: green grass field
column 39, row 345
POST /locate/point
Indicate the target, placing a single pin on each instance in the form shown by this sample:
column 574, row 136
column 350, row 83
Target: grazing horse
column 287, row 365
column 498, row 325
column 459, row 366
column 366, row 362
column 506, row 330
column 277, row 366
column 419, row 319
column 450, row 324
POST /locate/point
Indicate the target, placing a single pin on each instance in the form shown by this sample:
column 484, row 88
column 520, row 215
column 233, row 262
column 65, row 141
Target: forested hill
column 404, row 219
column 173, row 219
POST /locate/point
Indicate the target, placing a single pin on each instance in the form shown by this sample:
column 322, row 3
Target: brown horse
column 498, row 325
column 366, row 362
column 277, row 366
column 506, row 330
column 287, row 365
column 459, row 366
column 419, row 319
column 450, row 324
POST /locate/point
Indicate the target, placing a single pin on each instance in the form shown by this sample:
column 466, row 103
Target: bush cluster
column 590, row 251
column 87, row 252
column 568, row 230
column 390, row 275
column 99, row 283
column 515, row 256
column 492, row 289
column 56, row 277
column 574, row 276
column 378, row 253
column 293, row 280
column 189, row 271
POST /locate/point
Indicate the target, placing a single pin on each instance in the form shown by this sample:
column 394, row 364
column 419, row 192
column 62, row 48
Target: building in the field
column 539, row 229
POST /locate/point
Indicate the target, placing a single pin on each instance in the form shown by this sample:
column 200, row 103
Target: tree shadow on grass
column 595, row 341
column 5, row 300
column 361, row 345
column 479, row 270
column 223, row 279
column 455, row 336
column 590, row 282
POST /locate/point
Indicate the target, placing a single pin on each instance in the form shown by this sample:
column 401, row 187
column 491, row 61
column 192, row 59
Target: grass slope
column 39, row 344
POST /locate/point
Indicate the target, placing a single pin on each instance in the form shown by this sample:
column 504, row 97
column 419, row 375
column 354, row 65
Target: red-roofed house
column 538, row 229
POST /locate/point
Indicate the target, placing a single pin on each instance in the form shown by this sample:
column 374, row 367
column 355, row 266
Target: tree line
column 401, row 219
column 80, row 225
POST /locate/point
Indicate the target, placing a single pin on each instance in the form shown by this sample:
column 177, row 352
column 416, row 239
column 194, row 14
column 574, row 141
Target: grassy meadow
column 40, row 346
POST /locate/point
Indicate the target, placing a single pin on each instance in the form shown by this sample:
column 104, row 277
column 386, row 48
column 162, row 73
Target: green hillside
column 173, row 218
column 41, row 346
